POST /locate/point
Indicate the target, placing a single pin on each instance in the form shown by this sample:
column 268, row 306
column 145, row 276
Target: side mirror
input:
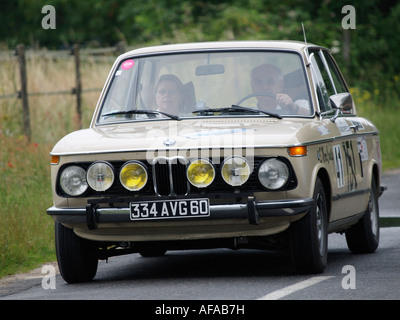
column 342, row 101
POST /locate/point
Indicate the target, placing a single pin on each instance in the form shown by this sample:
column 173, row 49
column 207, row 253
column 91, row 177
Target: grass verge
column 26, row 232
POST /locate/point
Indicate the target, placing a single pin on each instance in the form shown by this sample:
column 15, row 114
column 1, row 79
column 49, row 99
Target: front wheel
column 363, row 237
column 309, row 235
column 77, row 257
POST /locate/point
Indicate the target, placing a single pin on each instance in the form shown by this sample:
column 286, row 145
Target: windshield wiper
column 235, row 108
column 172, row 116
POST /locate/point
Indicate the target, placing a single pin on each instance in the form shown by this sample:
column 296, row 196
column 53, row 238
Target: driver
column 268, row 79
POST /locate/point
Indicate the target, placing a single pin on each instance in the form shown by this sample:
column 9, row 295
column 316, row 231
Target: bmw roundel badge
column 169, row 142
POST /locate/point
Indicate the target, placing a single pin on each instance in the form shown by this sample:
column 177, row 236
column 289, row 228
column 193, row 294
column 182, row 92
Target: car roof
column 221, row 45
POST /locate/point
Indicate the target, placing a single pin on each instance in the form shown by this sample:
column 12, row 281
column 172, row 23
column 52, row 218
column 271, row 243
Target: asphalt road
column 227, row 275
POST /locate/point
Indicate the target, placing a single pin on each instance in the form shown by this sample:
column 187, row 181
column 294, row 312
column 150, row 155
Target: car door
column 349, row 191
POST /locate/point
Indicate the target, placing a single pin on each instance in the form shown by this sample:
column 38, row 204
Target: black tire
column 363, row 237
column 77, row 257
column 309, row 236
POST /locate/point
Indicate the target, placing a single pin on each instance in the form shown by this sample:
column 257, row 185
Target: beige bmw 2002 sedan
column 253, row 144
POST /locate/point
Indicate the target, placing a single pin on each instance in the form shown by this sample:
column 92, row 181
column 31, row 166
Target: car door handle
column 354, row 128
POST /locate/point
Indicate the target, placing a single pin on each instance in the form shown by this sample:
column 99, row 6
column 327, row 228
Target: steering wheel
column 256, row 94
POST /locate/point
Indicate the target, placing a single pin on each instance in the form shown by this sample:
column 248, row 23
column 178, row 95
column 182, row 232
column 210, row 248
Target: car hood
column 185, row 134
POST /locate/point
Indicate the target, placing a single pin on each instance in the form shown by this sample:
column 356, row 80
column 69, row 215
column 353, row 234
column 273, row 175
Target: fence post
column 121, row 47
column 78, row 85
column 23, row 94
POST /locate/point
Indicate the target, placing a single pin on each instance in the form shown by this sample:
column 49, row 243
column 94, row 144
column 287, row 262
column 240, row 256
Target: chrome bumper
column 252, row 210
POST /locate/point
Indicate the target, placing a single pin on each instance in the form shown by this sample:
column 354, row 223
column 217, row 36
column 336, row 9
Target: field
column 26, row 232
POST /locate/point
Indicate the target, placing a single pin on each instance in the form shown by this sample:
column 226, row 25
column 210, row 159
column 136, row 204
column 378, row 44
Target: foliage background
column 374, row 44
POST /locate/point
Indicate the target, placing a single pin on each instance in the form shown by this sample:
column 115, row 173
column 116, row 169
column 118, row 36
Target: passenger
column 169, row 95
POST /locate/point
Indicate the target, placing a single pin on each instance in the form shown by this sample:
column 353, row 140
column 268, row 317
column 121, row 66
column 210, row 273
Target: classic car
column 242, row 144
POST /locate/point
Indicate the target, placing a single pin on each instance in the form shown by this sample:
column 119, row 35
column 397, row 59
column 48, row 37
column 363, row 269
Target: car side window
column 322, row 80
column 337, row 79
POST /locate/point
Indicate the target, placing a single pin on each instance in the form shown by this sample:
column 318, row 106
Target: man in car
column 267, row 84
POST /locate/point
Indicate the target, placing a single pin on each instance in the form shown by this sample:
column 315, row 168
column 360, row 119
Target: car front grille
column 169, row 176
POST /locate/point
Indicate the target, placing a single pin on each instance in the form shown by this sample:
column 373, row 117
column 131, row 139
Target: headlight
column 133, row 176
column 235, row 170
column 200, row 173
column 73, row 181
column 273, row 174
column 100, row 176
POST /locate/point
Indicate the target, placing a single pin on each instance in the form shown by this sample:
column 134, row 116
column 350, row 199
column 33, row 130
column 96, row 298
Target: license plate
column 165, row 209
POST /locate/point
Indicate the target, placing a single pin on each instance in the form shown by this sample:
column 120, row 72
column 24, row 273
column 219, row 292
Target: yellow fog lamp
column 235, row 170
column 100, row 176
column 200, row 173
column 133, row 175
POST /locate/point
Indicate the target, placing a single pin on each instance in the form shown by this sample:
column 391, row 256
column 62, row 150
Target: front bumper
column 253, row 210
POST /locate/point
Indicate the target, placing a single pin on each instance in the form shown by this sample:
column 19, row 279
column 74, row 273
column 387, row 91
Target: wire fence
column 20, row 54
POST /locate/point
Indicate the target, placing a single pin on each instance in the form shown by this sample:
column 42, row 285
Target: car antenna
column 305, row 41
column 304, row 33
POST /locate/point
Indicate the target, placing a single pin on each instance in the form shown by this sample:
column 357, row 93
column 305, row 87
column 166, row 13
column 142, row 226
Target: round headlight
column 200, row 173
column 73, row 181
column 235, row 170
column 273, row 174
column 133, row 176
column 100, row 176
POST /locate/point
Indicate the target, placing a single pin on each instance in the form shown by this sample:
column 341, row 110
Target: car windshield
column 208, row 84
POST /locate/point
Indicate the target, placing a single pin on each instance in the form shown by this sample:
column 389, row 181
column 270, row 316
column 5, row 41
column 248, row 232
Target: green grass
column 26, row 231
column 385, row 115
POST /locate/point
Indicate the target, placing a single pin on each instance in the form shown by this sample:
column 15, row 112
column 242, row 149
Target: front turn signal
column 55, row 159
column 297, row 151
